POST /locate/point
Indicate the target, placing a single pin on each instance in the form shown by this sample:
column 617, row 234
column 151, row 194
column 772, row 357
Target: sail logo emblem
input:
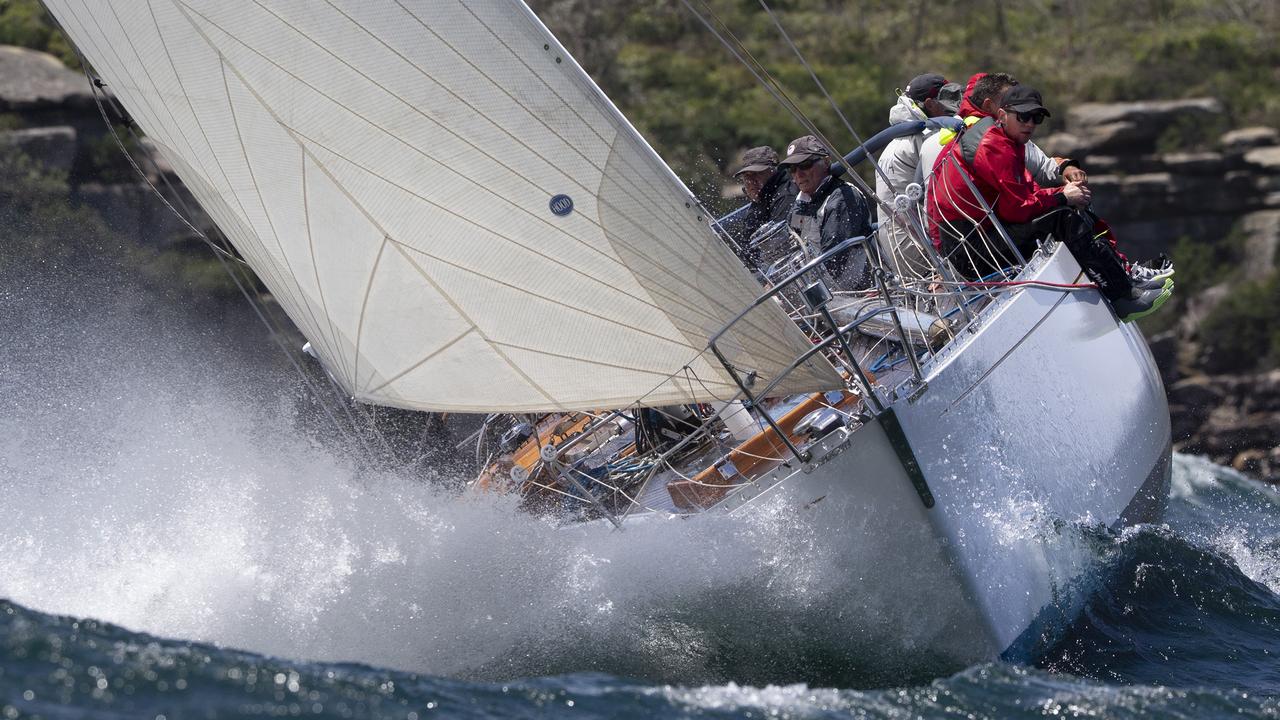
column 561, row 205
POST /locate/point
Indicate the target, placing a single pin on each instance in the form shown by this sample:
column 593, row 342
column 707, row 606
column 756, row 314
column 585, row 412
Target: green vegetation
column 1191, row 133
column 25, row 23
column 699, row 106
column 106, row 163
column 38, row 217
column 1242, row 333
column 1202, row 265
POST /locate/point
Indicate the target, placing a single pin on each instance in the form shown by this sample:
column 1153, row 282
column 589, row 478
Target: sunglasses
column 804, row 165
column 1032, row 117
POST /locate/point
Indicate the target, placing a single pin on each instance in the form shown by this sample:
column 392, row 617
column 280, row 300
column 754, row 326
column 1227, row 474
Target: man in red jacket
column 991, row 156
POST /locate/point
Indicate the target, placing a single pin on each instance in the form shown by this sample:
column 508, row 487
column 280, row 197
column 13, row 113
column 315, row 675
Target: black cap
column 756, row 159
column 923, row 87
column 1023, row 99
column 949, row 97
column 803, row 148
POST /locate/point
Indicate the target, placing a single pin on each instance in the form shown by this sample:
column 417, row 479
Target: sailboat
column 458, row 219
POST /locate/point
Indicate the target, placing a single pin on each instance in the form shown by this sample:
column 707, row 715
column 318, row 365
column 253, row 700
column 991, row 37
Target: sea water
column 176, row 541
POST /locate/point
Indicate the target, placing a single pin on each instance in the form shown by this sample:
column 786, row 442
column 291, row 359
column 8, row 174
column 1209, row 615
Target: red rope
column 1015, row 283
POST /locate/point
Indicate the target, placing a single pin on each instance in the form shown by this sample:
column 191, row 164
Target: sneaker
column 1153, row 284
column 1142, row 301
column 1159, row 269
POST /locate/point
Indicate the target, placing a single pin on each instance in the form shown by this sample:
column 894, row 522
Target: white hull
column 1049, row 410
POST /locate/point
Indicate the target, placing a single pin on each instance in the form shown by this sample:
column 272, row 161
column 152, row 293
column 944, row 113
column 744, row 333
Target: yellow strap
column 947, row 135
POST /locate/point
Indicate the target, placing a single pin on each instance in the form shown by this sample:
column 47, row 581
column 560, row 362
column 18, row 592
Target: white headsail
column 441, row 199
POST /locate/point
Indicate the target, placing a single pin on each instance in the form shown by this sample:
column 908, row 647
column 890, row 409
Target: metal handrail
column 877, row 142
column 841, row 247
column 872, row 144
column 778, row 286
column 840, row 334
column 991, row 213
column 826, row 342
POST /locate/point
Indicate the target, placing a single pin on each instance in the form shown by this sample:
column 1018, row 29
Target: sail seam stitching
column 245, row 246
column 636, row 189
column 315, row 266
column 424, row 360
column 303, row 141
column 545, row 298
column 364, row 306
column 363, row 211
column 687, row 246
column 660, row 373
column 143, row 98
column 498, row 351
column 303, row 299
column 675, row 227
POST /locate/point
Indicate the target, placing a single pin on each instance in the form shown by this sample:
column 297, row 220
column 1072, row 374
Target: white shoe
column 1153, row 274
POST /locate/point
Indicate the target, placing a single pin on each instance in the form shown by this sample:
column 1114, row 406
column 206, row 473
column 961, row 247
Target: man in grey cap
column 771, row 192
column 901, row 242
column 828, row 211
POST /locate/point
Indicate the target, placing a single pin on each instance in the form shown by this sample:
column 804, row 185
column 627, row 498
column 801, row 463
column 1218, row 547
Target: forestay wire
column 857, row 139
column 721, row 31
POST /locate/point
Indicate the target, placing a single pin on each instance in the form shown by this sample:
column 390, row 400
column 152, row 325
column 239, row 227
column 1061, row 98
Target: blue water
column 179, row 540
column 1184, row 624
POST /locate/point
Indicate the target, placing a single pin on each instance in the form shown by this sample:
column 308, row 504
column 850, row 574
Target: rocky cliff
column 49, row 113
column 1165, row 173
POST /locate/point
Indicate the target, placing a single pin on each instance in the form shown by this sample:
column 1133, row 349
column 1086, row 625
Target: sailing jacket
column 899, row 163
column 834, row 213
column 996, row 165
column 901, row 156
column 1045, row 170
column 773, row 205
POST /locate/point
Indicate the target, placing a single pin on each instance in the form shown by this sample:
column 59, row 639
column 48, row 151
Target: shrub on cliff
column 24, row 23
column 41, row 225
column 1242, row 333
column 36, row 218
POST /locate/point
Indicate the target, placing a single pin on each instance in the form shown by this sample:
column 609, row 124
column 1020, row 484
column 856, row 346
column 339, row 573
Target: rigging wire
column 857, row 139
column 775, row 88
column 744, row 56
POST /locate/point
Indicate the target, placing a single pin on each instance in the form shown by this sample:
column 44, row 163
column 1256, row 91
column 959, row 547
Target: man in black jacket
column 772, row 194
column 828, row 211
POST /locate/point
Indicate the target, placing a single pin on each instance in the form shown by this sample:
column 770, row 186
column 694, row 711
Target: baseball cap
column 949, row 97
column 923, row 87
column 803, row 148
column 758, row 158
column 1024, row 99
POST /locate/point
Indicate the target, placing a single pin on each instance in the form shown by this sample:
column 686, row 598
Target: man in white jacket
column 899, row 167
